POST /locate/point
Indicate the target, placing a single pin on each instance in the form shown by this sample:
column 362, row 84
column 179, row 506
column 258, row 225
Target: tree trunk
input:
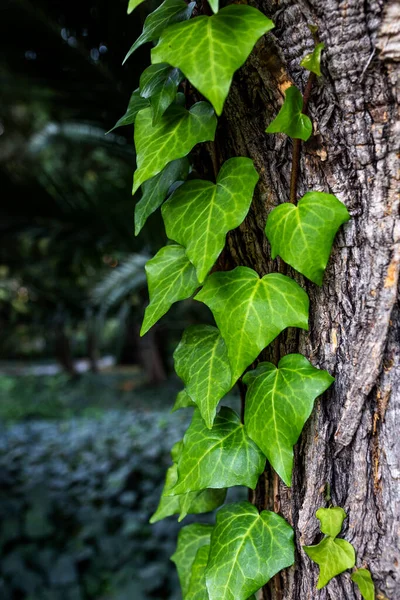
column 350, row 445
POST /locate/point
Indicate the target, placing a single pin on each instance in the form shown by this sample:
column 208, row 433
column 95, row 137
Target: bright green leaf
column 155, row 190
column 362, row 578
column 247, row 549
column 333, row 556
column 183, row 400
column 312, row 61
column 201, row 361
column 208, row 50
column 250, row 312
column 331, row 520
column 197, row 586
column 136, row 104
column 159, row 83
column 278, row 403
column 171, row 277
column 133, row 4
column 172, row 137
column 190, row 539
column 214, row 5
column 220, row 457
column 290, row 119
column 303, row 235
column 199, row 214
column 170, row 11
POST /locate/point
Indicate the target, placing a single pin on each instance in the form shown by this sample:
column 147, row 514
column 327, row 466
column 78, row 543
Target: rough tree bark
column 351, row 443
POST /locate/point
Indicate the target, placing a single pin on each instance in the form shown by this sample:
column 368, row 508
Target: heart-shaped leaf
column 333, row 556
column 155, row 190
column 220, row 457
column 136, row 103
column 331, row 520
column 190, row 539
column 250, row 312
column 172, row 137
column 197, row 586
column 290, row 119
column 183, row 400
column 170, row 277
column 362, row 578
column 170, row 11
column 312, row 61
column 159, row 84
column 303, row 235
column 201, row 361
column 199, row 214
column 278, row 403
column 247, row 549
column 208, row 50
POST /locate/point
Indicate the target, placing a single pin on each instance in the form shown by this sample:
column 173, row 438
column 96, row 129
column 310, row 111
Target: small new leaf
column 197, row 586
column 247, row 549
column 331, row 520
column 208, row 50
column 312, row 61
column 170, row 277
column 170, row 11
column 220, row 457
column 333, row 556
column 279, row 401
column 136, row 103
column 201, row 361
column 290, row 119
column 183, row 400
column 172, row 137
column 159, row 83
column 303, row 235
column 199, row 214
column 250, row 312
column 362, row 578
column 190, row 539
column 156, row 190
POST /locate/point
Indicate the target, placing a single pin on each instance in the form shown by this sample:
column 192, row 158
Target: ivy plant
column 234, row 558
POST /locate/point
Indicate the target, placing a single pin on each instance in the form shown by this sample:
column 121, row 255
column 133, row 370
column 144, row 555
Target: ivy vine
column 245, row 548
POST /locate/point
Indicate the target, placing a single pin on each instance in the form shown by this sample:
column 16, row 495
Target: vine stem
column 294, row 176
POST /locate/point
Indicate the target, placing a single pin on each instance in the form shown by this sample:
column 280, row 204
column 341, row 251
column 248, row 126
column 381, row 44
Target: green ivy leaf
column 250, row 312
column 170, row 11
column 362, row 578
column 290, row 119
column 199, row 214
column 172, row 137
column 159, row 84
column 156, row 190
column 214, row 4
column 331, row 520
column 190, row 539
column 201, row 361
column 312, row 61
column 136, row 103
column 220, row 457
column 183, row 400
column 333, row 556
column 197, row 586
column 208, row 50
column 278, row 403
column 303, row 235
column 247, row 549
column 133, row 4
column 171, row 277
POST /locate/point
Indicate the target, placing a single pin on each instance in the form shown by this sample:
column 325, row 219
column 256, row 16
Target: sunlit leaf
column 133, row 4
column 278, row 403
column 172, row 137
column 201, row 361
column 171, row 277
column 197, row 587
column 220, row 457
column 312, row 61
column 290, row 119
column 183, row 400
column 247, row 549
column 190, row 539
column 170, row 11
column 155, row 190
column 208, row 50
column 331, row 520
column 250, row 312
column 136, row 103
column 214, row 5
column 333, row 556
column 200, row 214
column 362, row 578
column 303, row 235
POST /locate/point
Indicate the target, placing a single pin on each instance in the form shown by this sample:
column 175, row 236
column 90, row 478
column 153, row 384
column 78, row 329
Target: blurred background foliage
column 84, row 402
